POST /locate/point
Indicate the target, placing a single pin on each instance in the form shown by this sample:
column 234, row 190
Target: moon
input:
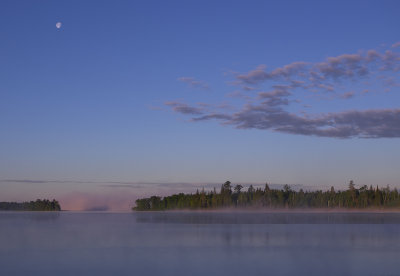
column 58, row 25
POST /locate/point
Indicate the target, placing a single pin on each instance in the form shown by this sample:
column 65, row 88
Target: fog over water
column 195, row 243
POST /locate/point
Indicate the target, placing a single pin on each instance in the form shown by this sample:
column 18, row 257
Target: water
column 191, row 243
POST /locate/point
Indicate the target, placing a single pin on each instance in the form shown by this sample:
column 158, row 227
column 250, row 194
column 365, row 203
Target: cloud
column 347, row 95
column 289, row 70
column 276, row 97
column 327, row 80
column 255, row 76
column 212, row 116
column 116, row 184
column 391, row 61
column 372, row 55
column 362, row 124
column 25, row 181
column 345, row 66
column 326, row 87
column 259, row 74
column 41, row 181
column 184, row 108
column 192, row 82
column 395, row 45
column 277, row 93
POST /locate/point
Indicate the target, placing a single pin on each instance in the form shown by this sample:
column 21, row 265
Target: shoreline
column 268, row 211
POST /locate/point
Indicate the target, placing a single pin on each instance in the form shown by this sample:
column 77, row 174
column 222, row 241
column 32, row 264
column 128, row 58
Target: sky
column 103, row 102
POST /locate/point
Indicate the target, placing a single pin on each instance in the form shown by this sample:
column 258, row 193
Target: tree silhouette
column 269, row 198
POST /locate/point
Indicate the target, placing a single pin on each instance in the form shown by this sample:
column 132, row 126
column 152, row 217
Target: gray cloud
column 184, row 108
column 372, row 55
column 110, row 184
column 277, row 93
column 289, row 70
column 117, row 184
column 343, row 66
column 212, row 116
column 259, row 74
column 269, row 115
column 24, row 181
column 255, row 76
column 347, row 95
column 192, row 82
column 346, row 66
column 266, row 109
column 362, row 124
column 41, row 181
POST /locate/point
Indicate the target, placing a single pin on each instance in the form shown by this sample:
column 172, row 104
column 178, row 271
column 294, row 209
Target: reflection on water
column 185, row 243
column 24, row 217
column 268, row 218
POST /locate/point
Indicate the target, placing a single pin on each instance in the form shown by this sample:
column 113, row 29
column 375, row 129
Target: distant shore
column 371, row 198
column 278, row 211
column 38, row 205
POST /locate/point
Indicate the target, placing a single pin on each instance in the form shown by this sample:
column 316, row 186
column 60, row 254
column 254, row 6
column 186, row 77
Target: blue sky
column 132, row 98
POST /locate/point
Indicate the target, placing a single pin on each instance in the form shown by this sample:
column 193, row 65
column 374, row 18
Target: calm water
column 187, row 243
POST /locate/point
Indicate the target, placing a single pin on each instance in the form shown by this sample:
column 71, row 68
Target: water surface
column 195, row 243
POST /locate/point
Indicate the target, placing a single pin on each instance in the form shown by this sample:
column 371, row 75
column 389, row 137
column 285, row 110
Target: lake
column 196, row 243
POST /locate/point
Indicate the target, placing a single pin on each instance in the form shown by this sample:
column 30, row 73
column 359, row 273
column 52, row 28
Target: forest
column 38, row 205
column 235, row 197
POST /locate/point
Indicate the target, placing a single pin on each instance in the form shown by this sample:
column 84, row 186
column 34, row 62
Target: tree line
column 38, row 205
column 233, row 196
